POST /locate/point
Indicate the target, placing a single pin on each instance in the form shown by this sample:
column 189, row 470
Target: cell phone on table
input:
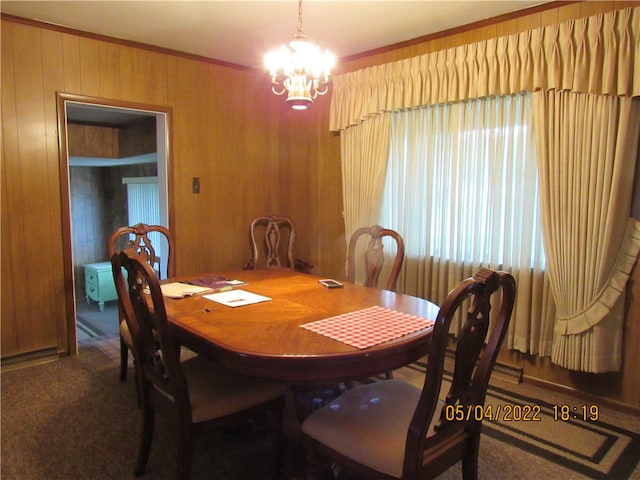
column 330, row 283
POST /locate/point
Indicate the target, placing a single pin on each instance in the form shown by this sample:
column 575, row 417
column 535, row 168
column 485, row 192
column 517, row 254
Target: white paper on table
column 237, row 298
column 181, row 290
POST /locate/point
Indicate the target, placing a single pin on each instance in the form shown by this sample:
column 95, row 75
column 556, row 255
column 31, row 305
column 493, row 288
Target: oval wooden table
column 265, row 339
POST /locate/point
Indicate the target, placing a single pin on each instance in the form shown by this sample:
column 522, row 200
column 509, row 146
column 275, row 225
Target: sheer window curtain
column 364, row 151
column 461, row 188
column 143, row 206
column 587, row 153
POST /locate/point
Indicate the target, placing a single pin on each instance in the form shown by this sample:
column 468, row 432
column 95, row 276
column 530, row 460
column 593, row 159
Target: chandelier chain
column 300, row 69
column 300, row 32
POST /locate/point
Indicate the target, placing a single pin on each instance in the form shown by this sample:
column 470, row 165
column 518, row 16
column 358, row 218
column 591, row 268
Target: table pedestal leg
column 302, row 400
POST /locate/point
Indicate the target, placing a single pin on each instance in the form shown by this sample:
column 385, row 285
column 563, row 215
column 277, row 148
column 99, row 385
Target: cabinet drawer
column 92, row 291
column 91, row 277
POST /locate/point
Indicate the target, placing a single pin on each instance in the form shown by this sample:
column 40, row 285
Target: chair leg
column 278, row 442
column 146, row 435
column 185, row 451
column 315, row 466
column 124, row 359
column 470, row 460
column 138, row 383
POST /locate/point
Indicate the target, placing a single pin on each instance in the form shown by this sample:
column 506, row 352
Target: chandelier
column 301, row 69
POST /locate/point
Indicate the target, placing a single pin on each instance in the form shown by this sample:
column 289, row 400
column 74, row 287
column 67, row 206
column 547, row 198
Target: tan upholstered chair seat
column 216, row 391
column 369, row 424
column 126, row 335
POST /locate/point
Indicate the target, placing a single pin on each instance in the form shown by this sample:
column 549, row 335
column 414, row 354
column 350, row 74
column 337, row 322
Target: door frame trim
column 68, row 324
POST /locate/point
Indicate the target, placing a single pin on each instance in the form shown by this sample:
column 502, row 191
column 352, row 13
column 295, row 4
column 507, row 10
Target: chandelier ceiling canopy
column 300, row 69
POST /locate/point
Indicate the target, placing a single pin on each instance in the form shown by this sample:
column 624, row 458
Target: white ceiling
column 241, row 32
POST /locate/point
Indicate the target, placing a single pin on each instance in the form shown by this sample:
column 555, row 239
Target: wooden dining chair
column 199, row 393
column 272, row 241
column 392, row 429
column 137, row 237
column 373, row 259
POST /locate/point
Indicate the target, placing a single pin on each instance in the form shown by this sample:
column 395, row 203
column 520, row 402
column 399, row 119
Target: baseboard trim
column 500, row 370
column 28, row 359
column 587, row 397
column 508, row 373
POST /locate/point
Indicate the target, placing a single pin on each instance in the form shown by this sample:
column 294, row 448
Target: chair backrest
column 476, row 352
column 374, row 255
column 157, row 354
column 137, row 237
column 272, row 240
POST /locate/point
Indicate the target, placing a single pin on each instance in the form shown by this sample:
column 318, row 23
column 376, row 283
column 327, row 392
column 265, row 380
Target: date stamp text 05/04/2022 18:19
column 521, row 413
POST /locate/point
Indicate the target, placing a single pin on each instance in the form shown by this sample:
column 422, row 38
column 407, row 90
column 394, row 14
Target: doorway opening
column 110, row 152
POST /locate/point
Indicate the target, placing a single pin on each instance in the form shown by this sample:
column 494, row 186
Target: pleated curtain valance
column 598, row 54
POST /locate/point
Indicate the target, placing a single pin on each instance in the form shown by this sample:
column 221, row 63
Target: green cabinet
column 98, row 283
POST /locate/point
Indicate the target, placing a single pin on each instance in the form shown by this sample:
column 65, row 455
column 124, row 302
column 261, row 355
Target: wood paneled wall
column 135, row 138
column 138, row 137
column 252, row 154
column 93, row 141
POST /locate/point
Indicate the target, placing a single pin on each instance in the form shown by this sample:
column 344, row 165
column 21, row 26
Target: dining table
column 298, row 331
column 288, row 326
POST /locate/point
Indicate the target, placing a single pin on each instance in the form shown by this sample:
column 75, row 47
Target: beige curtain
column 587, row 148
column 364, row 150
column 595, row 54
column 592, row 55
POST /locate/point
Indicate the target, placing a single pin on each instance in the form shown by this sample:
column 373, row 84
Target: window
column 462, row 184
column 143, row 206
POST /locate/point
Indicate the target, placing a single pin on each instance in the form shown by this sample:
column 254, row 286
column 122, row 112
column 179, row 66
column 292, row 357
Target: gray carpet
column 91, row 322
column 73, row 419
column 524, row 417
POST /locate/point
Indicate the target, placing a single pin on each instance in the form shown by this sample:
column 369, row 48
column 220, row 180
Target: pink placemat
column 368, row 327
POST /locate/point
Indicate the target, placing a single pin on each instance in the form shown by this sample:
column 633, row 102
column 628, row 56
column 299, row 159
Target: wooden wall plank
column 149, row 76
column 39, row 329
column 251, row 170
column 71, row 63
column 186, row 136
column 594, row 8
column 320, row 229
column 89, row 67
column 109, row 63
column 125, row 70
column 529, row 22
column 75, row 139
column 10, row 222
column 508, row 27
column 568, row 12
column 53, row 81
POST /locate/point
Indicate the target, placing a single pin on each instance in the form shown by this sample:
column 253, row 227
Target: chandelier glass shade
column 300, row 69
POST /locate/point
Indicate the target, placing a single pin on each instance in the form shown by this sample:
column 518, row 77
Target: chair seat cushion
column 126, row 334
column 368, row 424
column 216, row 391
